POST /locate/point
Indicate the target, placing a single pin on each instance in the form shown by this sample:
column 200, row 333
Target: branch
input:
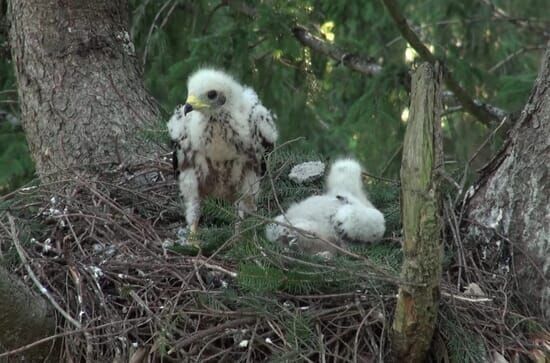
column 526, row 23
column 477, row 109
column 350, row 60
column 484, row 112
column 213, row 330
column 518, row 52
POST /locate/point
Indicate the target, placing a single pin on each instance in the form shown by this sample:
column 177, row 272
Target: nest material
column 307, row 171
column 105, row 249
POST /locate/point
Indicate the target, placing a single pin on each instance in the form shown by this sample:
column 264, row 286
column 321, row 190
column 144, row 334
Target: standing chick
column 342, row 215
column 221, row 136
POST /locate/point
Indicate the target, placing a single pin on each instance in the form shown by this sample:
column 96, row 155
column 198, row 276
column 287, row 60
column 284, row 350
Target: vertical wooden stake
column 418, row 299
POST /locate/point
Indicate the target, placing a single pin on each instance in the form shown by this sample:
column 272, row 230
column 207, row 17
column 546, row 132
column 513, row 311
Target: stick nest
column 105, row 246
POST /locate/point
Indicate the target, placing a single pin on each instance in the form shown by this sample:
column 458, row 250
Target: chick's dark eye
column 212, row 94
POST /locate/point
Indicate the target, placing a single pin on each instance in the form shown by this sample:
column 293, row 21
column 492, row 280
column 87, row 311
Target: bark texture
column 417, row 303
column 81, row 95
column 510, row 204
column 25, row 317
column 82, row 103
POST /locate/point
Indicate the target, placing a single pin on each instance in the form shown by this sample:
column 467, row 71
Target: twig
column 367, row 175
column 464, row 298
column 474, row 156
column 511, row 56
column 499, row 13
column 139, row 355
column 353, row 61
column 356, row 340
column 64, row 334
column 206, row 332
column 390, row 160
column 150, row 33
column 476, row 109
column 484, row 112
column 41, row 288
column 495, row 130
column 218, row 268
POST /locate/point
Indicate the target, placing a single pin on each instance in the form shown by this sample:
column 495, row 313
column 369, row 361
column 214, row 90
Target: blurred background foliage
column 493, row 48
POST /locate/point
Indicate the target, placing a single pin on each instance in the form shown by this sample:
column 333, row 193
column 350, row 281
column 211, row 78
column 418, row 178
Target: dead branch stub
column 417, row 305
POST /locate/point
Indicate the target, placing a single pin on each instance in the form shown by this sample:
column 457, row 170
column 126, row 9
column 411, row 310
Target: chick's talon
column 193, row 228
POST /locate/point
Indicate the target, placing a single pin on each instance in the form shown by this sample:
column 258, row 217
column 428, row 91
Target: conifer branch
column 484, row 113
column 353, row 61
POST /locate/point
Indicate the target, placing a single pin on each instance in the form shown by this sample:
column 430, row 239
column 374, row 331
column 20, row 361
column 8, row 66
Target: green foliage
column 385, row 196
column 300, row 334
column 16, row 167
column 464, row 345
column 256, row 278
column 265, row 268
column 383, row 254
column 218, row 212
column 283, row 191
column 338, row 111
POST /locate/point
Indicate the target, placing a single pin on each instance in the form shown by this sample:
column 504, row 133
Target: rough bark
column 510, row 204
column 25, row 317
column 417, row 302
column 82, row 103
column 82, row 99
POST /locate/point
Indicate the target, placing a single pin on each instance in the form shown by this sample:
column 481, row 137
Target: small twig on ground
column 468, row 299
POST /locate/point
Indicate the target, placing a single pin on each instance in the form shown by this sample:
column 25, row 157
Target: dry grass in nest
column 98, row 246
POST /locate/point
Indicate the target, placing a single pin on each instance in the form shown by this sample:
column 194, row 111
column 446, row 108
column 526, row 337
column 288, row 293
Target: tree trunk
column 25, row 318
column 82, row 103
column 82, row 99
column 418, row 300
column 510, row 204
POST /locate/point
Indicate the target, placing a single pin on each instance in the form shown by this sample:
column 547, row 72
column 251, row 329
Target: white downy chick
column 341, row 216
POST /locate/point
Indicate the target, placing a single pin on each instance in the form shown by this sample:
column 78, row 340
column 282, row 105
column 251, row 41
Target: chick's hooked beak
column 193, row 103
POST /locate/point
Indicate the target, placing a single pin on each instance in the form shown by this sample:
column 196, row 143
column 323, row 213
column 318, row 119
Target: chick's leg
column 250, row 188
column 246, row 204
column 189, row 188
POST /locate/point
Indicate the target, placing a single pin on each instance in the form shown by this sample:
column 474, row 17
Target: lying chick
column 341, row 216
